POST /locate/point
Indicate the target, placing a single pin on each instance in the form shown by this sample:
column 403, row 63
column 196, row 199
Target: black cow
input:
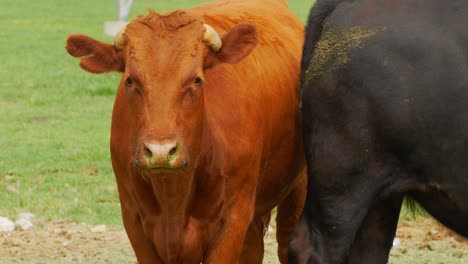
column 385, row 116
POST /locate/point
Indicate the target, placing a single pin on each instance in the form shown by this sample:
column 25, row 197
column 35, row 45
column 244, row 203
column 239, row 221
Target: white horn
column 211, row 38
column 119, row 40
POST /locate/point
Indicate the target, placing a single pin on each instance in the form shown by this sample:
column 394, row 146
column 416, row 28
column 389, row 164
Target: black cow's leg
column 448, row 212
column 374, row 239
column 329, row 225
column 300, row 245
column 340, row 213
column 340, row 220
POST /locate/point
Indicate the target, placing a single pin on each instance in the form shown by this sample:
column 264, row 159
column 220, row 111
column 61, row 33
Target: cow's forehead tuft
column 166, row 23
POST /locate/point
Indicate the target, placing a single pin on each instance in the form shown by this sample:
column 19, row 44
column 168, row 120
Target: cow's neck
column 172, row 193
column 189, row 207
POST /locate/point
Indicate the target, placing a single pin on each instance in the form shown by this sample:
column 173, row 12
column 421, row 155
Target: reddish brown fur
column 98, row 57
column 238, row 133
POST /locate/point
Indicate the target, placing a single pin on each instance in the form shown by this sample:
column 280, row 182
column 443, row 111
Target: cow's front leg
column 142, row 246
column 253, row 248
column 289, row 211
column 227, row 245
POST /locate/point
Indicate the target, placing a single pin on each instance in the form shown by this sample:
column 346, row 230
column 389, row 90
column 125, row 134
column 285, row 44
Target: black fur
column 384, row 89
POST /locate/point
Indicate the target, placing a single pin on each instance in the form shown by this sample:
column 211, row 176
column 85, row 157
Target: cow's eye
column 128, row 81
column 198, row 81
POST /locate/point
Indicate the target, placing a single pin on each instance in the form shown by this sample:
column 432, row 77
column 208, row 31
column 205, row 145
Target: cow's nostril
column 172, row 153
column 148, row 152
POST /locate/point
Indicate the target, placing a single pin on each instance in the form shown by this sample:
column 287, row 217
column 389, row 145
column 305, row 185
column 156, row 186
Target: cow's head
column 162, row 60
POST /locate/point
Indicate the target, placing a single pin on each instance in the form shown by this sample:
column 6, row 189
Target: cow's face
column 162, row 60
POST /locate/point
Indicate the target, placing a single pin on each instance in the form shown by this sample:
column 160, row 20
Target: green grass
column 54, row 117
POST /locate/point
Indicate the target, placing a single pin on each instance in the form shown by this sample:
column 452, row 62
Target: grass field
column 54, row 117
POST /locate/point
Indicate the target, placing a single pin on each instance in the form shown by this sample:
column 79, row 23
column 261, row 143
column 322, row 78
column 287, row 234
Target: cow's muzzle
column 161, row 154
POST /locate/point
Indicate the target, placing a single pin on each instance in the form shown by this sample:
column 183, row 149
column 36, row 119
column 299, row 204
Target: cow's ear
column 237, row 43
column 96, row 56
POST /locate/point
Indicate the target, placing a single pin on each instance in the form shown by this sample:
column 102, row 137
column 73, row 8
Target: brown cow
column 205, row 137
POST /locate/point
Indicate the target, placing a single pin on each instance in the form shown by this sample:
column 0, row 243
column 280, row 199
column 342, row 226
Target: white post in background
column 111, row 28
column 123, row 8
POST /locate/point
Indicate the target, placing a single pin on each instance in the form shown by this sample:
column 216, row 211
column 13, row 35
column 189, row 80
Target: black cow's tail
column 317, row 16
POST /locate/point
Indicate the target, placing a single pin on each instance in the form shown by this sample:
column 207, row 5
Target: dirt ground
column 64, row 241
